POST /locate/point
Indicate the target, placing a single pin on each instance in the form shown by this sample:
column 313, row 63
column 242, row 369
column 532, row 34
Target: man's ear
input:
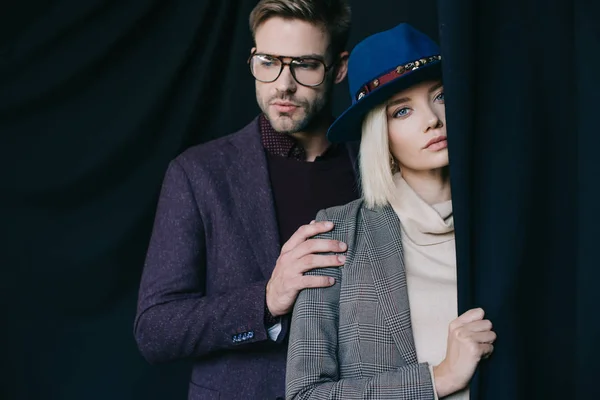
column 341, row 68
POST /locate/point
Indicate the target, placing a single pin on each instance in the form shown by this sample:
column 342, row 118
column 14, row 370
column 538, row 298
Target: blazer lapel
column 252, row 197
column 384, row 249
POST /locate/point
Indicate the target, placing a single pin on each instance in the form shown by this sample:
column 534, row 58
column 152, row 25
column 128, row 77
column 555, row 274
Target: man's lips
column 283, row 103
column 283, row 106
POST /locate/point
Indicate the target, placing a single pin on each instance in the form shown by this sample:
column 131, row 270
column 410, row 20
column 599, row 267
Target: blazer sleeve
column 312, row 367
column 175, row 318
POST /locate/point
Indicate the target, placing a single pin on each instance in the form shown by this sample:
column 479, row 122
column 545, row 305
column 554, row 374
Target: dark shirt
column 301, row 188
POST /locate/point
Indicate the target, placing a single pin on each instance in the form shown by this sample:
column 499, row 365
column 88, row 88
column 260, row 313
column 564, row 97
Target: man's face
column 290, row 106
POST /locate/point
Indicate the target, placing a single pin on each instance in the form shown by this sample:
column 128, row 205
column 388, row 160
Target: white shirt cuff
column 274, row 331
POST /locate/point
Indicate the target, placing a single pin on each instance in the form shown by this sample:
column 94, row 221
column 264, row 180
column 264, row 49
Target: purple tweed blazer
column 213, row 248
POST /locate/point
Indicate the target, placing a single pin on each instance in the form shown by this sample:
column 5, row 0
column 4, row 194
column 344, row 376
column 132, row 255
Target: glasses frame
column 283, row 64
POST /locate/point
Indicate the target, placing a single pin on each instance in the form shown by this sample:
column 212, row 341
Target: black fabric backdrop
column 521, row 82
column 97, row 96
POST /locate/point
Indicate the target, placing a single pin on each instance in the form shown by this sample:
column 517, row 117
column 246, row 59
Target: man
column 231, row 240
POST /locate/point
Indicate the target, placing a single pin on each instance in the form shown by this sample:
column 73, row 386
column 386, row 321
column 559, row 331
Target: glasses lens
column 309, row 72
column 265, row 68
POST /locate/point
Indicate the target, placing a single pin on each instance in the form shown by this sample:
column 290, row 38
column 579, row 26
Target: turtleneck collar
column 424, row 224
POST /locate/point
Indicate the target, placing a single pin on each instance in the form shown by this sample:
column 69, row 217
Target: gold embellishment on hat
column 395, row 74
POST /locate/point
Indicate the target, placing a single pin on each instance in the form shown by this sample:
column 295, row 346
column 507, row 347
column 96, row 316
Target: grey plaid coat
column 354, row 340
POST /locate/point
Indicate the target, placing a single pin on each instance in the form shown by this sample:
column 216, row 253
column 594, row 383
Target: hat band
column 394, row 74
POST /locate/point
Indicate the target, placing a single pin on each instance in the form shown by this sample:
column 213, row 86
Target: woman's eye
column 440, row 97
column 401, row 112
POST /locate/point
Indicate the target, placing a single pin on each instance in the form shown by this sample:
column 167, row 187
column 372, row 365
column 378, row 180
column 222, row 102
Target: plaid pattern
column 354, row 340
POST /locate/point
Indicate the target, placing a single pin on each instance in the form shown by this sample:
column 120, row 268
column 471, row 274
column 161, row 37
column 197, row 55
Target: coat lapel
column 252, row 197
column 384, row 249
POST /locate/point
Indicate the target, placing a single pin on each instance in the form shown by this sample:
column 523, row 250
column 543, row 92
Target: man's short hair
column 332, row 15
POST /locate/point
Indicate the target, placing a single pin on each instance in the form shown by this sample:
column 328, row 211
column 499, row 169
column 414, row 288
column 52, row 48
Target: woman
column 388, row 327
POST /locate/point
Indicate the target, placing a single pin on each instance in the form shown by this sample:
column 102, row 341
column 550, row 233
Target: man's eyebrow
column 313, row 55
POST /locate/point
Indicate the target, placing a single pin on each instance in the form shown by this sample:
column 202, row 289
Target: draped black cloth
column 521, row 80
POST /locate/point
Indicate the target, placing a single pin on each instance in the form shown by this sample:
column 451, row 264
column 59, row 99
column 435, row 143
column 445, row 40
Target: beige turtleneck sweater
column 430, row 262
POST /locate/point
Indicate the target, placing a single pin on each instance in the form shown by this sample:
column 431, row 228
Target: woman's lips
column 437, row 143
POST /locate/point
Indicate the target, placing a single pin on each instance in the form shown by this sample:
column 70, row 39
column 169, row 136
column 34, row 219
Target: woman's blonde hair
column 376, row 173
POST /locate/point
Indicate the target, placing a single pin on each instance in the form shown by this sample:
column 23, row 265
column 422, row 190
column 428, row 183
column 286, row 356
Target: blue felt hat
column 379, row 67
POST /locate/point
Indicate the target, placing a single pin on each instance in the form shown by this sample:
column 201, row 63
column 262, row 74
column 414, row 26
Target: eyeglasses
column 309, row 72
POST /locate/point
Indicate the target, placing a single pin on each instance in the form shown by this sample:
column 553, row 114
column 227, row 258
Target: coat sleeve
column 312, row 368
column 175, row 318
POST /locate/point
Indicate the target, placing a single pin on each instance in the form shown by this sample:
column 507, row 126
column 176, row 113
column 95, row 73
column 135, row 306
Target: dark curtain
column 96, row 97
column 521, row 80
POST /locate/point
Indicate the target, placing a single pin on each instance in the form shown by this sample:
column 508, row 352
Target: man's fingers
column 312, row 261
column 316, row 246
column 309, row 281
column 305, row 232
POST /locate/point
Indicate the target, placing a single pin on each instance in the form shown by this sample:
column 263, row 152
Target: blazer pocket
column 196, row 392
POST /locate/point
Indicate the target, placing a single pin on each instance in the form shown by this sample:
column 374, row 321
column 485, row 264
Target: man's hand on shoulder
column 299, row 255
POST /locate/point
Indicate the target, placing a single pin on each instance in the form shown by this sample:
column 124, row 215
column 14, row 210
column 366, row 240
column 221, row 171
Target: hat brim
column 348, row 126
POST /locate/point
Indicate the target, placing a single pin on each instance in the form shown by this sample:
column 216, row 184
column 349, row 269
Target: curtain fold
column 523, row 144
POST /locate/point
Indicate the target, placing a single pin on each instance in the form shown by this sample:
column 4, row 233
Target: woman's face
column 417, row 127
